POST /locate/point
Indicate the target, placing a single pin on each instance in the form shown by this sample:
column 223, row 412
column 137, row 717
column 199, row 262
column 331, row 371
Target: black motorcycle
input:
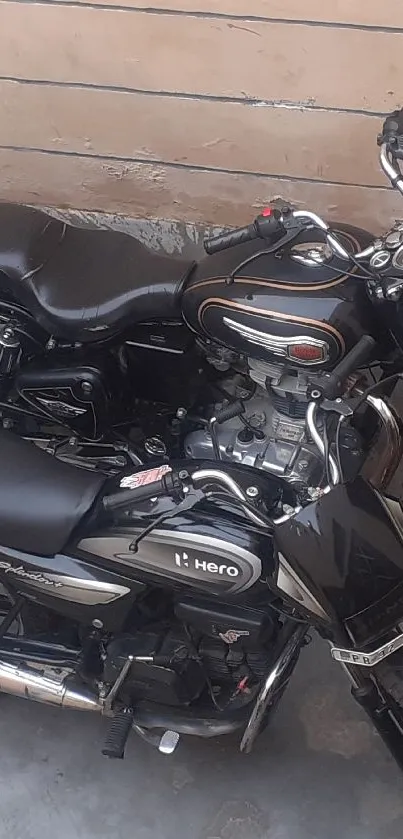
column 175, row 596
column 111, row 356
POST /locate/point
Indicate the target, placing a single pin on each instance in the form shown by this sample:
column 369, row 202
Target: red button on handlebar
column 267, row 212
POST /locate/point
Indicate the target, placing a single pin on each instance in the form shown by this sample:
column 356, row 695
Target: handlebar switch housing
column 269, row 223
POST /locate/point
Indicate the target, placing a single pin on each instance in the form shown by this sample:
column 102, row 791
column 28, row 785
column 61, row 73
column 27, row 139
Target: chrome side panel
column 79, row 589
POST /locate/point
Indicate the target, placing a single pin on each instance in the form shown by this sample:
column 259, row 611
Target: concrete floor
column 319, row 772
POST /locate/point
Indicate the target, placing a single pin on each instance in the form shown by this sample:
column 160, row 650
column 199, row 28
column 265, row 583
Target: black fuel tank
column 210, row 548
column 276, row 308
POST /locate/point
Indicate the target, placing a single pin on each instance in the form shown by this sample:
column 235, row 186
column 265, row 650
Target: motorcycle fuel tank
column 210, row 548
column 275, row 307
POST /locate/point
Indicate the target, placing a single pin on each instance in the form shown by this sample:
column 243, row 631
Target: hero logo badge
column 182, row 560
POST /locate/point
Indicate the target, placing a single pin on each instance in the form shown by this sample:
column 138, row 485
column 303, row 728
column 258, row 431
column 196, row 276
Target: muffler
column 24, row 682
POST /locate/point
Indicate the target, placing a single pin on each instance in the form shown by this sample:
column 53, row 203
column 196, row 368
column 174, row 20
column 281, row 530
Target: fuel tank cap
column 311, row 254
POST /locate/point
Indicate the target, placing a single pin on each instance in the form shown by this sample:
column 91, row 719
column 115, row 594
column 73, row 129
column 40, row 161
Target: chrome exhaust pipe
column 21, row 681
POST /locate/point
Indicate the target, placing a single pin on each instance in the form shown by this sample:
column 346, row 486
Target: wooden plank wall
column 199, row 110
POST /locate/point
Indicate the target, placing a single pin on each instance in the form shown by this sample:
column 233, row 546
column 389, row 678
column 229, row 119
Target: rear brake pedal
column 118, row 733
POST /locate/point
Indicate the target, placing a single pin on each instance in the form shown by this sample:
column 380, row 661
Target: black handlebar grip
column 129, row 496
column 267, row 226
column 332, row 384
column 230, row 239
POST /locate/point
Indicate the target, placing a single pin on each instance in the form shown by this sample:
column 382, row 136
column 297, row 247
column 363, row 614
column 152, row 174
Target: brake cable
column 192, row 497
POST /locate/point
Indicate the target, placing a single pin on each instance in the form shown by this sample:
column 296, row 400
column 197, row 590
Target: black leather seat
column 83, row 284
column 42, row 499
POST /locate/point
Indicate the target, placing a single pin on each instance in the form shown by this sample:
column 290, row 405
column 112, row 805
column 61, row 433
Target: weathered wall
column 200, row 110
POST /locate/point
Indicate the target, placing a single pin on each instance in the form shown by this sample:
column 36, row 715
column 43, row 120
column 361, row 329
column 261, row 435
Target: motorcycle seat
column 83, row 284
column 42, row 499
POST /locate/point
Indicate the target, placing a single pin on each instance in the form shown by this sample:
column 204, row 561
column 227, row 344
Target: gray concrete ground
column 318, row 772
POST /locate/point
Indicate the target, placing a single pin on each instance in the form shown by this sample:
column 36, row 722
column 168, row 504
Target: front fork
column 384, row 717
column 366, row 689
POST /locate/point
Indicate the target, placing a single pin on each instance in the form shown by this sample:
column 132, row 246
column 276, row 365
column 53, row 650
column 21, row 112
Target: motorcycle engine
column 273, row 438
column 271, row 434
column 202, row 642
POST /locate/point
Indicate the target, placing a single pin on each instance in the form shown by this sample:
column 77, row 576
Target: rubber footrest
column 116, row 738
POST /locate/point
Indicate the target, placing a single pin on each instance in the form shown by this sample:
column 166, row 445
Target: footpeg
column 118, row 733
column 165, row 743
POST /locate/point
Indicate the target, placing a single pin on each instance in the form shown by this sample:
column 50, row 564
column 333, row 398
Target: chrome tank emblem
column 86, row 592
column 61, row 409
column 311, row 254
column 283, row 347
column 202, row 562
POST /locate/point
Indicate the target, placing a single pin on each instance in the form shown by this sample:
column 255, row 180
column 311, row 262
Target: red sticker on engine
column 140, row 479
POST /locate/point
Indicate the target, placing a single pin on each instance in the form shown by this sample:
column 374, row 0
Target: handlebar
column 127, row 497
column 267, row 226
column 176, row 484
column 271, row 226
column 230, row 239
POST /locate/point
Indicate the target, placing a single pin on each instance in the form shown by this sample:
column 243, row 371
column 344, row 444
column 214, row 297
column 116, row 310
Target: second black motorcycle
column 111, row 355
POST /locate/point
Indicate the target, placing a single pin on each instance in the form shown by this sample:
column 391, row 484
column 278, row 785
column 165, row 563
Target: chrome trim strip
column 390, row 453
column 154, row 347
column 367, row 659
column 288, row 581
column 276, row 344
column 87, row 592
